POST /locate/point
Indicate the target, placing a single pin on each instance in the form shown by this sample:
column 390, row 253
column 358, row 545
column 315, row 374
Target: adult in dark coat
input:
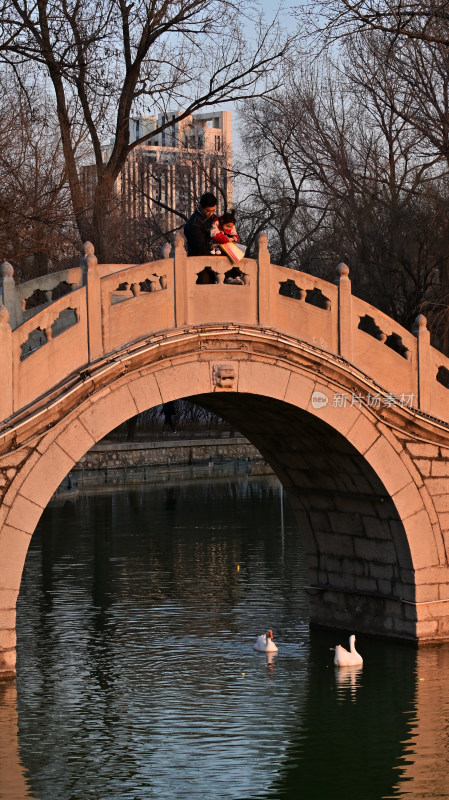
column 197, row 229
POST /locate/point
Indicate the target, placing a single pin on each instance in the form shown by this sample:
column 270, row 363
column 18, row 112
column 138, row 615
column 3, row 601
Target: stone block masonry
column 111, row 464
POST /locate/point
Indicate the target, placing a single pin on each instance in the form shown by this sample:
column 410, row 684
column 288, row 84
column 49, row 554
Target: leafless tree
column 414, row 20
column 106, row 58
column 275, row 177
column 413, row 39
column 350, row 179
column 36, row 222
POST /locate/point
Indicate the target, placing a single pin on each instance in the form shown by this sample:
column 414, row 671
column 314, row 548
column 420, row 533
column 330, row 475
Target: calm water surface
column 137, row 678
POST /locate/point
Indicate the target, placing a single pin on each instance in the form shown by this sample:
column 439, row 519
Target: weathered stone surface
column 8, row 619
column 363, row 433
column 427, row 630
column 424, row 466
column 54, row 464
column 437, row 486
column 386, row 462
column 111, row 409
column 408, row 501
column 375, row 529
column 8, row 598
column 23, row 515
column 75, row 440
column 145, row 392
column 13, row 549
column 318, row 397
column 8, row 662
column 423, row 450
column 440, row 468
column 441, row 503
column 370, row 550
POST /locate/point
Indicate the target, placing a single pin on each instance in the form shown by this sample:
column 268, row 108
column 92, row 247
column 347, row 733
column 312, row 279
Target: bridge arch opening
column 364, row 523
column 360, row 566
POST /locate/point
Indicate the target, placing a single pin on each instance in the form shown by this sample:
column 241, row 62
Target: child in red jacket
column 223, row 230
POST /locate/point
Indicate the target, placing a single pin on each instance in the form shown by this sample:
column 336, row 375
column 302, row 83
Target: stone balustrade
column 102, row 308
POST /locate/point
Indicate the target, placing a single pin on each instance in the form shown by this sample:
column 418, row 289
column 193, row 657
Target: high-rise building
column 170, row 171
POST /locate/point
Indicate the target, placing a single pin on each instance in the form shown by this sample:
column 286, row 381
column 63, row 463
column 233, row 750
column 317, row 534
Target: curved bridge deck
column 112, row 306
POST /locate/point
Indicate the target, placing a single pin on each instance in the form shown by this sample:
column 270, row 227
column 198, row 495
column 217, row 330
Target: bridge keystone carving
column 224, row 376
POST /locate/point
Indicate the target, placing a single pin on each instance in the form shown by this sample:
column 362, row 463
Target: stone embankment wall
column 124, row 455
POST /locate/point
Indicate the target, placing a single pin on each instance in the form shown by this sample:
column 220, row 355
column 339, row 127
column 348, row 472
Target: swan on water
column 345, row 659
column 265, row 643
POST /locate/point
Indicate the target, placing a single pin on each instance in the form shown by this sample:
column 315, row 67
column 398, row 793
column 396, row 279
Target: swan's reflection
column 348, row 680
column 270, row 663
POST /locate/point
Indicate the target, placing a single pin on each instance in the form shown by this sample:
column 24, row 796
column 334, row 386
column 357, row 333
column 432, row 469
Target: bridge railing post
column 181, row 288
column 344, row 312
column 424, row 372
column 6, row 366
column 93, row 298
column 263, row 278
column 9, row 294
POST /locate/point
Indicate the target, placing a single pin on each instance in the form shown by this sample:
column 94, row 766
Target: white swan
column 345, row 659
column 265, row 643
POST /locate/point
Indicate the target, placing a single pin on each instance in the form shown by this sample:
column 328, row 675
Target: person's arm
column 214, row 230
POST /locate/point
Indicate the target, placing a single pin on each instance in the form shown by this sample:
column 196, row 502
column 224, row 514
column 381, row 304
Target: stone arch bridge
column 350, row 409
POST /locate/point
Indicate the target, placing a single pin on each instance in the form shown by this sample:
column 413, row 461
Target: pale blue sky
column 269, row 8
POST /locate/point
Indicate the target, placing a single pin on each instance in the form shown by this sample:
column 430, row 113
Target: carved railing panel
column 368, row 325
column 49, row 346
column 33, row 295
column 68, row 316
column 137, row 301
column 207, row 276
column 438, row 379
column 394, row 341
column 305, row 307
column 289, row 288
column 384, row 350
column 36, row 339
column 216, row 291
column 128, row 303
column 315, row 297
column 443, row 377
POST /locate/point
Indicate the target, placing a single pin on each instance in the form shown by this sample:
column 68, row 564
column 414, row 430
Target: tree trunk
column 444, row 279
column 105, row 226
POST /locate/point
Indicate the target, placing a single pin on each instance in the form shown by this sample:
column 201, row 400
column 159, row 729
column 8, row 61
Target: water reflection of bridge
column 349, row 409
column 13, row 783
